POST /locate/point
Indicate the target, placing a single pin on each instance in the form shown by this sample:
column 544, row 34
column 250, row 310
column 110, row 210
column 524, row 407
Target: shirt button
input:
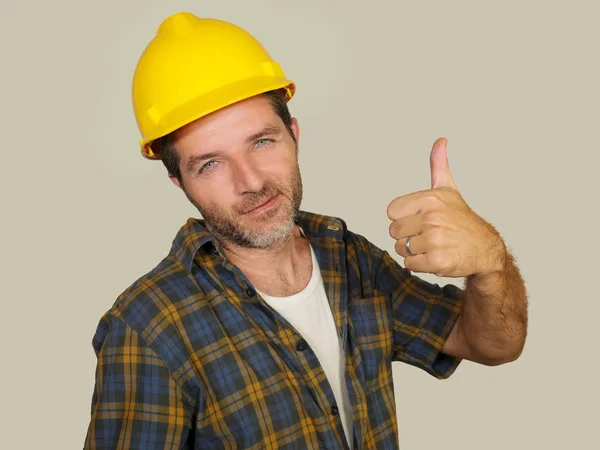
column 334, row 411
column 301, row 345
column 250, row 292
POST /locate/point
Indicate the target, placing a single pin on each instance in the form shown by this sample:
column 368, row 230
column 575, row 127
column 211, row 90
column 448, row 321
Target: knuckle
column 434, row 217
column 437, row 262
column 436, row 195
column 430, row 217
column 434, row 238
column 430, row 240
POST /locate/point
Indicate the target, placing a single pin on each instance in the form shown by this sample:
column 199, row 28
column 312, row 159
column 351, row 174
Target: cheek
column 211, row 195
column 280, row 168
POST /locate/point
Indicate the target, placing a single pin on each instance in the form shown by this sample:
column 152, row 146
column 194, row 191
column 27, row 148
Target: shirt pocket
column 372, row 333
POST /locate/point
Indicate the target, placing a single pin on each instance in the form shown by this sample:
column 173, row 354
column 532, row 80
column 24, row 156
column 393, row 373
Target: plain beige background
column 513, row 85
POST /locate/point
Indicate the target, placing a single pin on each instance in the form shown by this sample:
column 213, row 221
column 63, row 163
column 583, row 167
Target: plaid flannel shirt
column 190, row 356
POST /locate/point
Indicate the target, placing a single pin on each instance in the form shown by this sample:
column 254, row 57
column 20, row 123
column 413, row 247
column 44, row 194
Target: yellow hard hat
column 195, row 66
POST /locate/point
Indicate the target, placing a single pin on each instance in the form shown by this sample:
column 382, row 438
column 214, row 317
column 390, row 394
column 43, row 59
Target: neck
column 286, row 262
column 280, row 253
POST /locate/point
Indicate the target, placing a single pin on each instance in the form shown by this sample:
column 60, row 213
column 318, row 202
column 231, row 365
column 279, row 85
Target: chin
column 277, row 233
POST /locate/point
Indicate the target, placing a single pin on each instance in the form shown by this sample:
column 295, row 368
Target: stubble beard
column 266, row 230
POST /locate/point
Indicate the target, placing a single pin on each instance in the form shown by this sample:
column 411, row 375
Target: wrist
column 494, row 261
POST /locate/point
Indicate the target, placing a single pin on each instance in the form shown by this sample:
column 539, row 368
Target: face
column 239, row 167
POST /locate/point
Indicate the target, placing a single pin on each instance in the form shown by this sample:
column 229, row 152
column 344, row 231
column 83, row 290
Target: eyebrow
column 266, row 131
column 269, row 130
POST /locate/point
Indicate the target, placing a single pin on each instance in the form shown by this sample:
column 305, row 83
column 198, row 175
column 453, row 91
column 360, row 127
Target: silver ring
column 407, row 246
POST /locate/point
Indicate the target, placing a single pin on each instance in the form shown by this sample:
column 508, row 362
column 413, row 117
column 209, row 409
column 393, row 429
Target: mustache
column 254, row 200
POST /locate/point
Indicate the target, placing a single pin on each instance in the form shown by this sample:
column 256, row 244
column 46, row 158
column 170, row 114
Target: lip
column 266, row 205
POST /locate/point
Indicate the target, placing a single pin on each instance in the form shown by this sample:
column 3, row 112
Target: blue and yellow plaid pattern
column 190, row 356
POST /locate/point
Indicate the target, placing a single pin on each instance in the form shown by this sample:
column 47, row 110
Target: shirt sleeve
column 136, row 402
column 423, row 317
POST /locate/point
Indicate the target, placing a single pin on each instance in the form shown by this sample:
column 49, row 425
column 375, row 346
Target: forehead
column 229, row 125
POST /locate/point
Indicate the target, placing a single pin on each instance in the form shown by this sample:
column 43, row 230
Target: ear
column 175, row 180
column 296, row 130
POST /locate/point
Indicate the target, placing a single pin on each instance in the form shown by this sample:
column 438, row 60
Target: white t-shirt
column 309, row 313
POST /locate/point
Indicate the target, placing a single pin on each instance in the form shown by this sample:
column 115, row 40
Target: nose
column 247, row 177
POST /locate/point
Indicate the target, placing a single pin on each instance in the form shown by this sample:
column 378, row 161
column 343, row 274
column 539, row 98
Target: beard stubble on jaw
column 227, row 226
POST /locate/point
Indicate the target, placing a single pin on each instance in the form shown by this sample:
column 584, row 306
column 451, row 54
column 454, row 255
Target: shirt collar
column 194, row 237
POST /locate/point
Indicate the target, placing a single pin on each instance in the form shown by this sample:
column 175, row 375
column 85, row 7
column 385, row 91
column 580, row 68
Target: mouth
column 263, row 206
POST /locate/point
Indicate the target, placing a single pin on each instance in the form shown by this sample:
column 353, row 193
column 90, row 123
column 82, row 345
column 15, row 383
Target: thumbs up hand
column 446, row 237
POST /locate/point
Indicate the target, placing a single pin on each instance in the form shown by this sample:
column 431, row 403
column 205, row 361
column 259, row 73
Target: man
column 267, row 326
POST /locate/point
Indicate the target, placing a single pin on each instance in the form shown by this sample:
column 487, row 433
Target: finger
column 416, row 246
column 406, row 226
column 415, row 203
column 440, row 167
column 418, row 263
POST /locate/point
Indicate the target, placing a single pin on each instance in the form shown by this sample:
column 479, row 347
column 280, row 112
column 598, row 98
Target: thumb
column 440, row 168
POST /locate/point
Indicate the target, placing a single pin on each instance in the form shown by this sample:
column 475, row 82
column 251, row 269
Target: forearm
column 493, row 321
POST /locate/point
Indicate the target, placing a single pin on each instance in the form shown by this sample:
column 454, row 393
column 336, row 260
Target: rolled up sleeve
column 423, row 317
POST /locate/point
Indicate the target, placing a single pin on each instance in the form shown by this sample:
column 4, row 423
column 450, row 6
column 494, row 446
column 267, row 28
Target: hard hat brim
column 213, row 101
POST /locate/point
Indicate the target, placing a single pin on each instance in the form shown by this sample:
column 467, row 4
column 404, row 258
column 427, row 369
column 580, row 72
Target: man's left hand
column 447, row 237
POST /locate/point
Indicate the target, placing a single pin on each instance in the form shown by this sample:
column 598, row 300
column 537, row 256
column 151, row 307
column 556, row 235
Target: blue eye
column 209, row 165
column 263, row 142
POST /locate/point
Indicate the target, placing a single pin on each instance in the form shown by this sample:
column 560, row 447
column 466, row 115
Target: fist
column 445, row 236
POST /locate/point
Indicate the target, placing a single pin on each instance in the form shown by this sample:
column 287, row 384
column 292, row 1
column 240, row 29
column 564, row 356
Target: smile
column 265, row 206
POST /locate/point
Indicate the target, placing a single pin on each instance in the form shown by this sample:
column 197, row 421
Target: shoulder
column 150, row 295
column 163, row 292
column 154, row 303
column 153, row 308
